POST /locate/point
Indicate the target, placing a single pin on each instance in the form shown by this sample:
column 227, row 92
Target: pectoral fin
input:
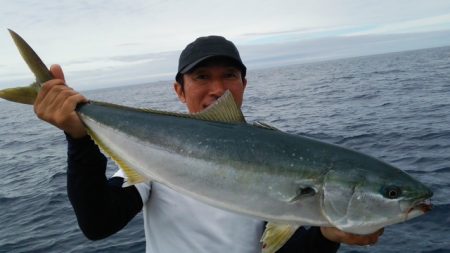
column 275, row 236
column 303, row 192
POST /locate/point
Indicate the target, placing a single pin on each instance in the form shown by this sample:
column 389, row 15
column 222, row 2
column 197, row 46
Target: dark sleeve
column 102, row 206
column 309, row 241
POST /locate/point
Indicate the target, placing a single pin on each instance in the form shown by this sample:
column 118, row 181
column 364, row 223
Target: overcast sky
column 111, row 42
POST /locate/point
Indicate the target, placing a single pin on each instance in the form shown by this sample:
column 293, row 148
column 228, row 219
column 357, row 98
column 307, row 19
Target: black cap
column 204, row 48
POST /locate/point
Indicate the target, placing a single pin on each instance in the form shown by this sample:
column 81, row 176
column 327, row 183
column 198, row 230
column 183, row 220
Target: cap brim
column 192, row 65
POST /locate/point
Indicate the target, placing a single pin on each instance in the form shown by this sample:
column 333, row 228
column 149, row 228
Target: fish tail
column 36, row 65
column 27, row 94
column 24, row 95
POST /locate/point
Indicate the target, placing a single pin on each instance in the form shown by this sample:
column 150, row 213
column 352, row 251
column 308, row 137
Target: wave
column 442, row 170
column 358, row 136
column 386, row 72
column 432, row 135
column 7, row 200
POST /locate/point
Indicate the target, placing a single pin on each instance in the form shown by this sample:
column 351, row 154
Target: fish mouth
column 423, row 206
column 418, row 208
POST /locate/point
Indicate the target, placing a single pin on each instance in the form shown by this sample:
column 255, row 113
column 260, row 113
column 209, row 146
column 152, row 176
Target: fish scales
column 238, row 167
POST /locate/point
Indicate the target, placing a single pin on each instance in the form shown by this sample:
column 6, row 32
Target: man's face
column 205, row 84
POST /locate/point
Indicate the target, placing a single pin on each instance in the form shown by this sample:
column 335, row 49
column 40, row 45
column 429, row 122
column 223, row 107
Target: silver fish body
column 265, row 173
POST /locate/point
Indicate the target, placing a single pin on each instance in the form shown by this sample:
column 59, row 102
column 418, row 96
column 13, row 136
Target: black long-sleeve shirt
column 103, row 206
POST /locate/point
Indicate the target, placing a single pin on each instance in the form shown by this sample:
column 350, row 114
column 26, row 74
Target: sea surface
column 395, row 107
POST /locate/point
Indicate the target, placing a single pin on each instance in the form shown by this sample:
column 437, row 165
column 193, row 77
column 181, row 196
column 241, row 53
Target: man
column 173, row 223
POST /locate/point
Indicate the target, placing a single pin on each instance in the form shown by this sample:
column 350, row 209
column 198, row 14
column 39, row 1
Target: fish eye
column 392, row 192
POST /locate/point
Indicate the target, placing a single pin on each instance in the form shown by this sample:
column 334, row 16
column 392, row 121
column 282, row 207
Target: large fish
column 256, row 170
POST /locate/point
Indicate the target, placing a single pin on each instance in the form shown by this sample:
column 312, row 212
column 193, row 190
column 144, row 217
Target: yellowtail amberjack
column 256, row 170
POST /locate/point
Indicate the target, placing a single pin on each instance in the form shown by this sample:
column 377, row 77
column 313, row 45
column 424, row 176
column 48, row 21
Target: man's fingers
column 368, row 239
column 52, row 102
column 50, row 107
column 60, row 96
column 57, row 94
column 71, row 102
column 340, row 236
column 46, row 89
column 58, row 74
column 56, row 103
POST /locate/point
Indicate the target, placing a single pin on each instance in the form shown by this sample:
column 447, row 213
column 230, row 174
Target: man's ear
column 180, row 91
column 244, row 82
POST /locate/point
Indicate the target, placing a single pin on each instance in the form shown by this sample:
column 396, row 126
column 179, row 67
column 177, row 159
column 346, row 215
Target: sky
column 107, row 43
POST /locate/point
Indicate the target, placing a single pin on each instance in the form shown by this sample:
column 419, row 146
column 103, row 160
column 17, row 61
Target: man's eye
column 201, row 77
column 231, row 75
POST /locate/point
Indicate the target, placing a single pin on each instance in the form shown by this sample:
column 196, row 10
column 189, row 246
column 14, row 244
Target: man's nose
column 218, row 88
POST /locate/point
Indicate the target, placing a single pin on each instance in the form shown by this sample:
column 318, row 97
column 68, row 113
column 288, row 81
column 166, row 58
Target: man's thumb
column 57, row 72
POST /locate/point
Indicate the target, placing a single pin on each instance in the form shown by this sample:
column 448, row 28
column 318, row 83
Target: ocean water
column 394, row 106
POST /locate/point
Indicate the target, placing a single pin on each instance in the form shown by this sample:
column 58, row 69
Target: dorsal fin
column 224, row 109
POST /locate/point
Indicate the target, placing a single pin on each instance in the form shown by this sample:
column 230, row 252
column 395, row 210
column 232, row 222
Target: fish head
column 362, row 201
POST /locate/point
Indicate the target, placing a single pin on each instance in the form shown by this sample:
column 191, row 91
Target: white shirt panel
column 178, row 223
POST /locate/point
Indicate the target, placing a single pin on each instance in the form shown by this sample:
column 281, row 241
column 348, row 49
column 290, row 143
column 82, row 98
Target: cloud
column 163, row 67
column 113, row 35
column 435, row 23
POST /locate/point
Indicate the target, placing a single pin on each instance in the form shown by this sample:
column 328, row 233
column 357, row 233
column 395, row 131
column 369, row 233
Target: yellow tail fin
column 24, row 95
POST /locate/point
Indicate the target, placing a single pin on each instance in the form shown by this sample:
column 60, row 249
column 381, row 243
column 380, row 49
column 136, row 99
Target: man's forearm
column 102, row 206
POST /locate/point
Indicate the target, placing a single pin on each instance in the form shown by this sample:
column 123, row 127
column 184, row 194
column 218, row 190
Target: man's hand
column 336, row 235
column 56, row 103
